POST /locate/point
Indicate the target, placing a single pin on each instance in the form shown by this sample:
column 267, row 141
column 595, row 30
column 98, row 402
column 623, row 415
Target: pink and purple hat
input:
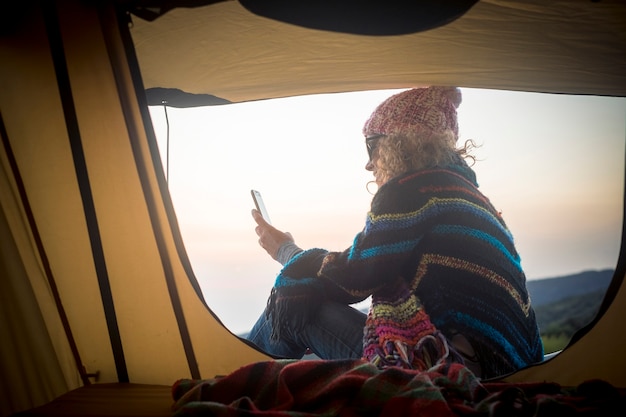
column 425, row 111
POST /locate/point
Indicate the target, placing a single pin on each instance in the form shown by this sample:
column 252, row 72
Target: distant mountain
column 566, row 316
column 563, row 305
column 551, row 290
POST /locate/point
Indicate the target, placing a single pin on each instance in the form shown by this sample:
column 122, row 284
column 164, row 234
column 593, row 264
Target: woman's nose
column 369, row 166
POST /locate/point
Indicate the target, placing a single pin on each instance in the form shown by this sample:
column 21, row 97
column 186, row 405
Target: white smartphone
column 258, row 202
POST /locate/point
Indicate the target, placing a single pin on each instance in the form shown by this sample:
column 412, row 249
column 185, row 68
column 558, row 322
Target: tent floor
column 105, row 400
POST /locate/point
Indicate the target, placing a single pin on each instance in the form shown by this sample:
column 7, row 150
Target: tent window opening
column 552, row 164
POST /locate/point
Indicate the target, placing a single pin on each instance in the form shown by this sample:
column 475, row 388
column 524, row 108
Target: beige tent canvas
column 95, row 284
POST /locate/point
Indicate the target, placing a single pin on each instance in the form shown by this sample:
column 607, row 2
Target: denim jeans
column 336, row 332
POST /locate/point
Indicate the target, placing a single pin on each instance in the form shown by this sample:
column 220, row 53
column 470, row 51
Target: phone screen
column 258, row 202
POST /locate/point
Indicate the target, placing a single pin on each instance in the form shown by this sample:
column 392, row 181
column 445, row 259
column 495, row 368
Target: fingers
column 262, row 227
column 258, row 218
column 270, row 238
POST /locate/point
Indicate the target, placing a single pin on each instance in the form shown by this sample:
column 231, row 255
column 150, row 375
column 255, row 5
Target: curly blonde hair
column 400, row 153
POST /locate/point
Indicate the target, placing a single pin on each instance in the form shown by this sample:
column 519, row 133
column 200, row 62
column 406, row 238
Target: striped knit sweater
column 437, row 258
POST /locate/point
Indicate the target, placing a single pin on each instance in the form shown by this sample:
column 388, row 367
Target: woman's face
column 372, row 164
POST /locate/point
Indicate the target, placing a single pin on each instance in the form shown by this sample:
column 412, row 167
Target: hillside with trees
column 565, row 304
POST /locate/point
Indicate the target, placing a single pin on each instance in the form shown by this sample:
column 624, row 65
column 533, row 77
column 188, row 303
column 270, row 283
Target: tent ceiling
column 223, row 49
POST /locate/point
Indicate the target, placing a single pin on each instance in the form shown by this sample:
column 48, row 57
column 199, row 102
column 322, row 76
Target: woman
column 436, row 257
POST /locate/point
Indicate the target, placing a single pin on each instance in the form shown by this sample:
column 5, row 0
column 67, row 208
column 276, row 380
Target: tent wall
column 93, row 198
column 560, row 46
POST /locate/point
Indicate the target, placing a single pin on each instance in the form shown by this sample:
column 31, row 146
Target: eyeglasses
column 371, row 142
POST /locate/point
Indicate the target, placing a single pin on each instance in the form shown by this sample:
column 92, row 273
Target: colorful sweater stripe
column 436, row 257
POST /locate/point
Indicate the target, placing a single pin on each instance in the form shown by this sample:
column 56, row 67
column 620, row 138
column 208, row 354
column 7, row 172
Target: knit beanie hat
column 426, row 111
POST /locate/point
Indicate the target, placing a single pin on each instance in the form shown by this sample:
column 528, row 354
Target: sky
column 553, row 164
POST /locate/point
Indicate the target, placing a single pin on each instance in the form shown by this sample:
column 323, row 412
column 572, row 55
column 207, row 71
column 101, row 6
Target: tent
column 95, row 284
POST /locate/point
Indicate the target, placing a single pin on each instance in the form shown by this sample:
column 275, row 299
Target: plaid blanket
column 289, row 388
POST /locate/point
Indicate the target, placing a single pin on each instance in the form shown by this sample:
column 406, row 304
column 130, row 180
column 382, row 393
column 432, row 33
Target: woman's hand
column 270, row 238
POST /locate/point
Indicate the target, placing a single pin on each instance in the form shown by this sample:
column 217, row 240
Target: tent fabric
column 99, row 203
column 574, row 47
column 96, row 286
